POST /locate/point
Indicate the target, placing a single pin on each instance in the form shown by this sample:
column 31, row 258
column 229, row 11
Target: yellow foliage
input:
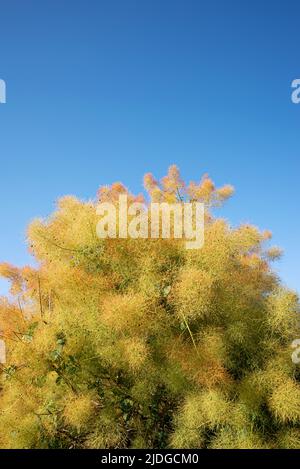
column 79, row 410
column 285, row 401
column 130, row 343
column 125, row 313
column 134, row 352
column 228, row 438
column 283, row 308
column 193, row 294
column 289, row 439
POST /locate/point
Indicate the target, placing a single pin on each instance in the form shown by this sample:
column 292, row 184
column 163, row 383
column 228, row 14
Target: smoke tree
column 141, row 343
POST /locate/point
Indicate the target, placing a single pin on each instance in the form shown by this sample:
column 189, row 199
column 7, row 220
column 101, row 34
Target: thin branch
column 57, row 245
column 21, row 310
column 179, row 195
column 40, row 297
column 49, row 301
column 190, row 332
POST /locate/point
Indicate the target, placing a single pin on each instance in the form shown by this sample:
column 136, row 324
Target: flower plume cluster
column 122, row 343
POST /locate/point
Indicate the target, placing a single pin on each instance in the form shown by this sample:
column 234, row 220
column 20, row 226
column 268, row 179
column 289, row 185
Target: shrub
column 123, row 343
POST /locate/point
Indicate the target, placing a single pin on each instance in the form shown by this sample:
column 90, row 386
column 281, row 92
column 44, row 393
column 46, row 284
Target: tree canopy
column 141, row 343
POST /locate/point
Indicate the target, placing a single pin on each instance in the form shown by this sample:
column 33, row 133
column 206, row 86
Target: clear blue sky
column 99, row 91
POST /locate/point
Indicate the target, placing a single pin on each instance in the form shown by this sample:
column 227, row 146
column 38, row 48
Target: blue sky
column 99, row 91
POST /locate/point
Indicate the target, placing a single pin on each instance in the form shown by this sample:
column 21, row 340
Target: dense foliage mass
column 123, row 343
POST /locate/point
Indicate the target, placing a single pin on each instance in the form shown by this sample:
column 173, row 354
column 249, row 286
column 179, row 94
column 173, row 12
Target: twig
column 190, row 332
column 40, row 297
